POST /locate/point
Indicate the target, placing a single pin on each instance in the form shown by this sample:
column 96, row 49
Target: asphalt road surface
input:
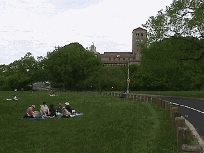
column 38, row 86
column 194, row 108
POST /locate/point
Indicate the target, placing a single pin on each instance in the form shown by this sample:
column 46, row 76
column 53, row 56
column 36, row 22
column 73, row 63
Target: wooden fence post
column 181, row 137
column 145, row 98
column 191, row 148
column 166, row 105
column 183, row 141
column 156, row 101
column 160, row 101
column 148, row 98
column 153, row 100
column 175, row 113
column 133, row 97
column 179, row 122
column 129, row 96
column 140, row 97
column 163, row 104
column 169, row 107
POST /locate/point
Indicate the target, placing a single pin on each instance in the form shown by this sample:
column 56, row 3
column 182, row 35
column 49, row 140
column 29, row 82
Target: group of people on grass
column 14, row 98
column 53, row 94
column 46, row 112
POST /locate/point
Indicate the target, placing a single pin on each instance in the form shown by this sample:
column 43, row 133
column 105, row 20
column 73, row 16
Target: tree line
column 70, row 67
column 172, row 59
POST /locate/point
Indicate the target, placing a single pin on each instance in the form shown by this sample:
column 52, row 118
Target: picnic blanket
column 75, row 114
column 31, row 118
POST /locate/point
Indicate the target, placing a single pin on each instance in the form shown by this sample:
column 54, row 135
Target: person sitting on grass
column 44, row 112
column 59, row 108
column 52, row 111
column 44, row 109
column 65, row 113
column 69, row 108
column 30, row 112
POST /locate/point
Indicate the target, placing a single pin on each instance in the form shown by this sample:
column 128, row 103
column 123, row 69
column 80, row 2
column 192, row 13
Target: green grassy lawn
column 197, row 94
column 109, row 124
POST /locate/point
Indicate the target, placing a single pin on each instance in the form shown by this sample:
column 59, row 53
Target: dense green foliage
column 175, row 63
column 71, row 65
column 18, row 74
column 172, row 55
column 107, row 77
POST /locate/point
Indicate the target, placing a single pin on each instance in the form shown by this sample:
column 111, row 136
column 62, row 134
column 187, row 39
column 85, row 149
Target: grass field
column 109, row 124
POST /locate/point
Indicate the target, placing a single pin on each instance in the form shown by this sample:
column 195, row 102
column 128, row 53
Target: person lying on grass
column 30, row 112
column 44, row 108
column 14, row 98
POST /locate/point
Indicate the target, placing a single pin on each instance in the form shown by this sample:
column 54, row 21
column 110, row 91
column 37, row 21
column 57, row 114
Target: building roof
column 117, row 52
column 115, row 55
column 119, row 62
column 139, row 28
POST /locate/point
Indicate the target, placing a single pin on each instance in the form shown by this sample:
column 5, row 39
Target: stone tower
column 138, row 36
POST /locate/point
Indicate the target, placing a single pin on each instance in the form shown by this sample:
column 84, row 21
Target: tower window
column 142, row 34
column 123, row 58
column 109, row 59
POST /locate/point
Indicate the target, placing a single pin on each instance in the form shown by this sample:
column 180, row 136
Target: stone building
column 122, row 58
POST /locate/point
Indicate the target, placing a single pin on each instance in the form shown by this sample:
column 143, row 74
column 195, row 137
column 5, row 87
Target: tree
column 19, row 73
column 172, row 62
column 70, row 65
column 105, row 78
column 181, row 18
column 187, row 17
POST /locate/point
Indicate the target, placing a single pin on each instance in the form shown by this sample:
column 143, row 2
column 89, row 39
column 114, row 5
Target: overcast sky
column 37, row 26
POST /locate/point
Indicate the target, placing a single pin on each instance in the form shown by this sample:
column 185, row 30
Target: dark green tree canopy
column 71, row 64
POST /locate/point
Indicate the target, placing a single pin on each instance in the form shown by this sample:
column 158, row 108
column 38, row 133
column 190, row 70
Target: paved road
column 194, row 108
column 39, row 86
